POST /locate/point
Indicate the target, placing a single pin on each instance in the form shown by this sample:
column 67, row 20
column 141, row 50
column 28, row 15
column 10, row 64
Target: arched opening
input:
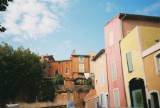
column 137, row 93
column 154, row 100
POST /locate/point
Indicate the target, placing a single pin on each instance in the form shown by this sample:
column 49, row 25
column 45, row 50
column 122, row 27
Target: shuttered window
column 129, row 61
column 116, row 98
column 81, row 59
column 114, row 71
column 158, row 62
column 81, row 67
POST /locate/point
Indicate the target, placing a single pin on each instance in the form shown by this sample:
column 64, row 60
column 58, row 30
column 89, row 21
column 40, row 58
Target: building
column 115, row 30
column 151, row 60
column 98, row 96
column 137, row 77
column 75, row 72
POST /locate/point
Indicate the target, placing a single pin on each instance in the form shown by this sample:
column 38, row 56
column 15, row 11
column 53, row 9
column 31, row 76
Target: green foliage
column 47, row 90
column 88, row 82
column 21, row 75
column 59, row 79
column 82, row 81
column 3, row 7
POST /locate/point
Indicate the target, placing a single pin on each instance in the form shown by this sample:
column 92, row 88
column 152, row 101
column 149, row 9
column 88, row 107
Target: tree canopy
column 21, row 76
column 3, row 7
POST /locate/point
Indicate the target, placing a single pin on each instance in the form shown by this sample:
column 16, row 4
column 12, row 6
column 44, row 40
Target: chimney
column 74, row 52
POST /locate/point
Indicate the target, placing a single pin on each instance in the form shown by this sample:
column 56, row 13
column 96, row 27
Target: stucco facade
column 115, row 30
column 135, row 43
column 98, row 97
column 151, row 59
column 151, row 72
column 113, row 34
column 131, row 44
column 70, row 69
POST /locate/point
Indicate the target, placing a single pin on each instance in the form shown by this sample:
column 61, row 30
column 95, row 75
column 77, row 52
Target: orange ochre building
column 78, row 66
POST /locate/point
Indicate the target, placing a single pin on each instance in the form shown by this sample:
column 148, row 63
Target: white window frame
column 155, row 62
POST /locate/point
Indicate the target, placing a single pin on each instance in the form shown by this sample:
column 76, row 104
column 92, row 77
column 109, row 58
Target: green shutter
column 129, row 61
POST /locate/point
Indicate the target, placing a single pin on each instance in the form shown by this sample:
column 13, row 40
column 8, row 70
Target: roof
column 124, row 16
column 50, row 57
column 151, row 49
column 98, row 54
column 75, row 55
column 62, row 60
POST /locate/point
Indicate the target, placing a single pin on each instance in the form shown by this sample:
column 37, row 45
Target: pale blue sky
column 64, row 25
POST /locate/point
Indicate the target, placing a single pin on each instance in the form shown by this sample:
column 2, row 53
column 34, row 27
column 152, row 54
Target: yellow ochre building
column 140, row 51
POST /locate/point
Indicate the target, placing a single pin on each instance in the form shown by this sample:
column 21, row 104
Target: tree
column 47, row 90
column 6, row 53
column 58, row 79
column 3, row 7
column 21, row 74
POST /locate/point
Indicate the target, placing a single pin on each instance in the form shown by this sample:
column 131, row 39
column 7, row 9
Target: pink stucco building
column 113, row 34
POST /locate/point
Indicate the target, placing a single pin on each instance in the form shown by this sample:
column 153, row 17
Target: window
column 81, row 59
column 138, row 98
column 114, row 71
column 116, row 98
column 129, row 62
column 102, row 78
column 81, row 67
column 158, row 63
column 103, row 100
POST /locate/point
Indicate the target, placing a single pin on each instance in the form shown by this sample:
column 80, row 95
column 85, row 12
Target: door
column 137, row 93
column 154, row 100
column 138, row 98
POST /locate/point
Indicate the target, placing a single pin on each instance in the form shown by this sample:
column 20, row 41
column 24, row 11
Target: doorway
column 154, row 100
column 137, row 93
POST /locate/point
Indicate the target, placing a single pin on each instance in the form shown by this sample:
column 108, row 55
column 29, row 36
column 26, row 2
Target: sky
column 57, row 27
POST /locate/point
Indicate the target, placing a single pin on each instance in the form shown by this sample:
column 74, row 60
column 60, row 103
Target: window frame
column 156, row 64
column 80, row 68
column 129, row 61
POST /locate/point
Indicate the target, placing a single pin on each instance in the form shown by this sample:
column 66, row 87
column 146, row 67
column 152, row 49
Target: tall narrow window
column 158, row 63
column 116, row 98
column 114, row 71
column 103, row 100
column 129, row 61
column 81, row 67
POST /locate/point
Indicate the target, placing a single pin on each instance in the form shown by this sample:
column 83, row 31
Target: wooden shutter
column 129, row 61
